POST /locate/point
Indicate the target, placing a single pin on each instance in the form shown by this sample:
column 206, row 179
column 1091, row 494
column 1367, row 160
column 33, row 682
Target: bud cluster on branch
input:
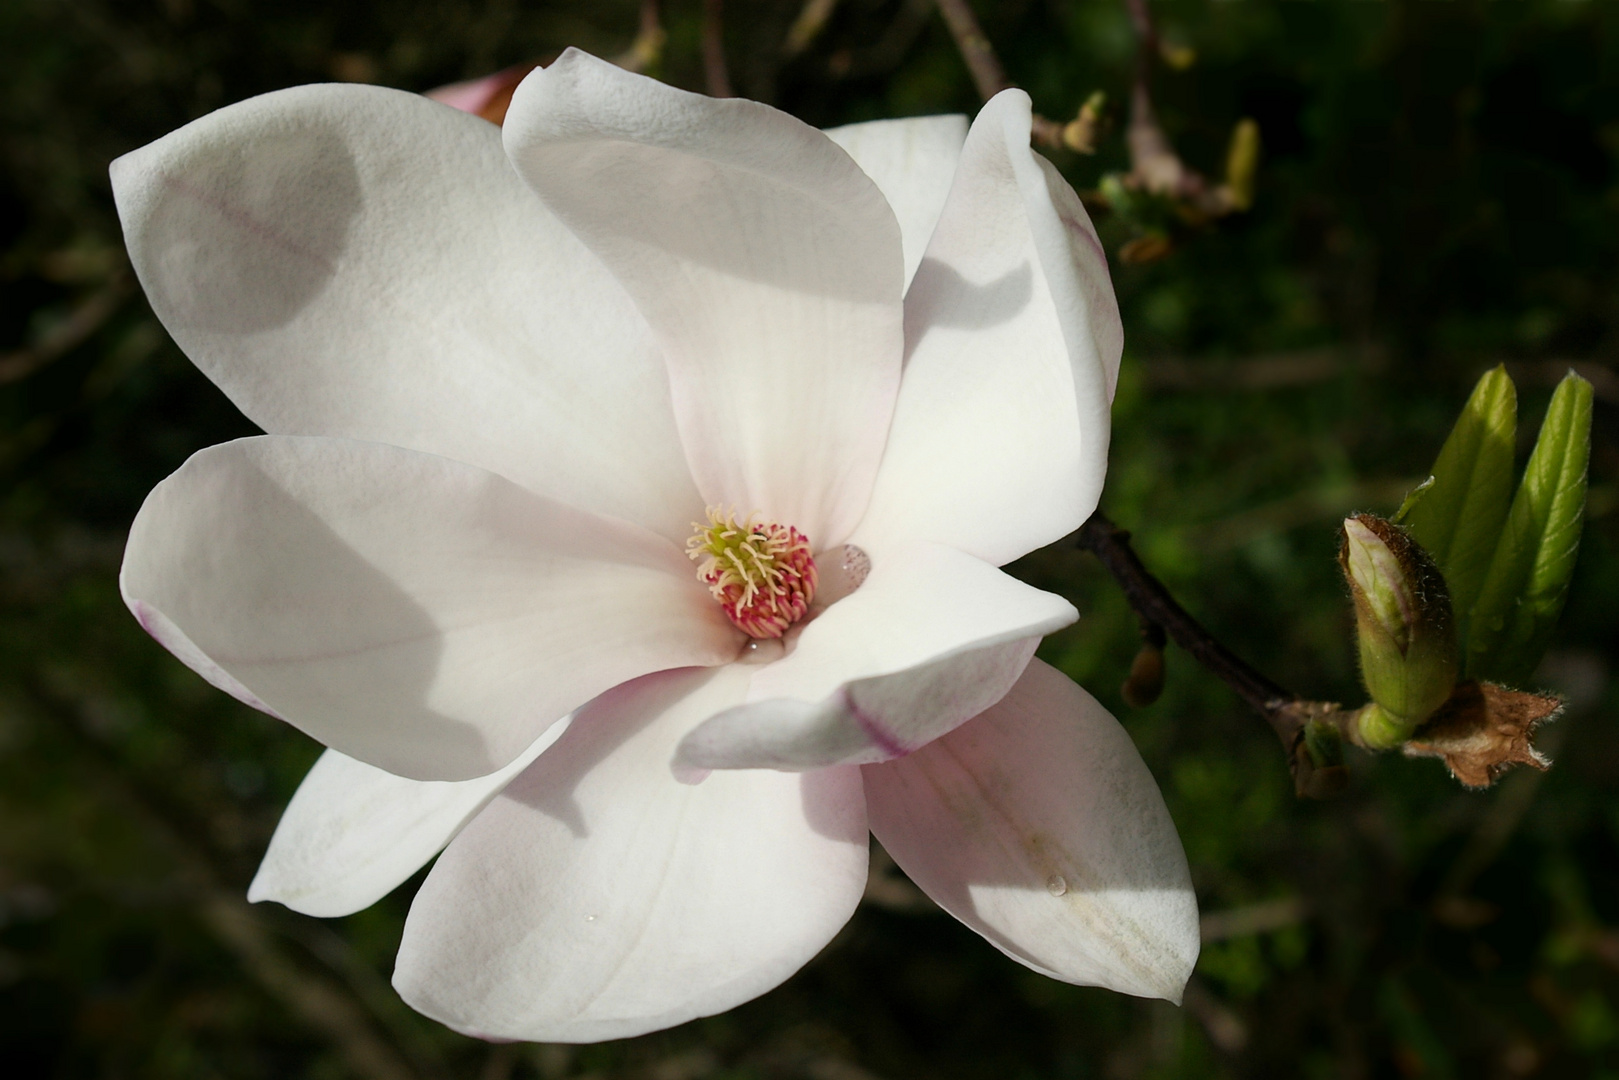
column 1455, row 599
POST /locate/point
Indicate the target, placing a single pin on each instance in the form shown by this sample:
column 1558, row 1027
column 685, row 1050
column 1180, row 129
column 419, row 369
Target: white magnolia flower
column 503, row 373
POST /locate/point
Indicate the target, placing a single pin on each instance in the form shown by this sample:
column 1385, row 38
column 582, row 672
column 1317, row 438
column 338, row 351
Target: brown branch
column 1154, row 164
column 988, row 74
column 1286, row 712
column 715, row 74
column 1153, row 161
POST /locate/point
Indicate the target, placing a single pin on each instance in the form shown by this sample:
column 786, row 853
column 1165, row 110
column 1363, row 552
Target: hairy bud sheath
column 1406, row 631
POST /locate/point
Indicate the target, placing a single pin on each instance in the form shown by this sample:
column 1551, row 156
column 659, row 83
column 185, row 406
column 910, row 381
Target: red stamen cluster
column 762, row 575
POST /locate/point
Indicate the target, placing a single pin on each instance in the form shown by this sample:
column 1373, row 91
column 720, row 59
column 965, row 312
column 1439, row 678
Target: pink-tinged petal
column 933, row 638
column 913, row 162
column 1038, row 825
column 363, row 262
column 424, row 616
column 1012, row 336
column 353, row 833
column 488, row 97
column 767, row 264
column 598, row 898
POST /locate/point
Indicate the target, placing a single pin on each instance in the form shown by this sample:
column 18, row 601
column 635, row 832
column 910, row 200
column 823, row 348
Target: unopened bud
column 1407, row 636
column 1242, row 164
column 1079, row 134
column 1146, row 679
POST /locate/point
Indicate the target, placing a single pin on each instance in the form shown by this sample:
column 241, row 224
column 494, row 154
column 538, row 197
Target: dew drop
column 590, row 918
column 856, row 565
column 1056, row 884
column 842, row 571
column 762, row 651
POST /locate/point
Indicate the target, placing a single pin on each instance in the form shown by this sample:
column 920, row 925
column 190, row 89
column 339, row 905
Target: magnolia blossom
column 513, row 380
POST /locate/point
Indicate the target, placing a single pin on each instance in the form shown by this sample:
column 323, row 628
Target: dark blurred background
column 1438, row 193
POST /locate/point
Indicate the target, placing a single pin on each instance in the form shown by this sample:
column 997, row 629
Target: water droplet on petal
column 590, row 918
column 762, row 651
column 1056, row 884
column 856, row 565
column 843, row 570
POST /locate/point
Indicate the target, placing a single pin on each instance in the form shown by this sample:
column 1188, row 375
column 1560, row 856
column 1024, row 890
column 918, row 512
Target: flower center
column 762, row 574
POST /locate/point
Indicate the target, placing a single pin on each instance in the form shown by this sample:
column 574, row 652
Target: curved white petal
column 768, row 265
column 1038, row 825
column 1012, row 339
column 422, row 615
column 932, row 638
column 362, row 262
column 599, row 898
column 913, row 162
column 353, row 833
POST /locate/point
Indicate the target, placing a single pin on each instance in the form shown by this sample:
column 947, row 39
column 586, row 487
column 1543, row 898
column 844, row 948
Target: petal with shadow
column 932, row 638
column 424, row 616
column 599, row 898
column 767, row 264
column 362, row 262
column 1012, row 339
column 912, row 161
column 353, row 833
column 1038, row 825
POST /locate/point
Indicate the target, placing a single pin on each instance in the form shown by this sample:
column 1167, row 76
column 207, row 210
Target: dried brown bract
column 1484, row 730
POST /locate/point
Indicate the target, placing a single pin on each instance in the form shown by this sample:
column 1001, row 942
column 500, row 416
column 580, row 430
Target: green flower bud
column 1407, row 635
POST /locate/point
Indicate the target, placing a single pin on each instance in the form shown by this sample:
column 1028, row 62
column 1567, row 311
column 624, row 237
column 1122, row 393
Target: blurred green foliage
column 1438, row 194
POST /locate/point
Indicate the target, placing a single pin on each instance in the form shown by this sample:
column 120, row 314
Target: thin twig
column 1152, row 602
column 1153, row 160
column 714, row 70
column 647, row 48
column 320, row 1003
column 1252, row 919
column 988, row 74
column 807, row 27
column 1154, row 164
column 1223, row 1026
column 1286, row 712
column 90, row 315
column 890, row 48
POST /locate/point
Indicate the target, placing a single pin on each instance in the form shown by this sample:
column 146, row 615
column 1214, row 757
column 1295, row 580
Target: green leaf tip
column 1457, row 515
column 1523, row 591
column 1411, row 499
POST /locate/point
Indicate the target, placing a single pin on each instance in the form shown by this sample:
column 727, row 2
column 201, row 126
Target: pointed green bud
column 1242, row 164
column 1406, row 633
column 1457, row 515
column 1522, row 594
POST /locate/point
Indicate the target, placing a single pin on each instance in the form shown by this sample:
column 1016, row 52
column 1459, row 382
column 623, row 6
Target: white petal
column 362, row 262
column 424, row 616
column 599, row 898
column 768, row 265
column 912, row 161
column 1012, row 336
column 1038, row 825
column 932, row 638
column 353, row 833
